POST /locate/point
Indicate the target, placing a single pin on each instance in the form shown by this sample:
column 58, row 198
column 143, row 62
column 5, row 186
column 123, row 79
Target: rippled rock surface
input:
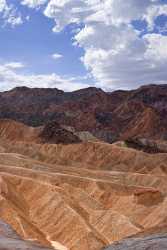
column 153, row 242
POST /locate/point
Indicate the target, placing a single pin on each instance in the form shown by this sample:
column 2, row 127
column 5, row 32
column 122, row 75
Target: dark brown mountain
column 108, row 116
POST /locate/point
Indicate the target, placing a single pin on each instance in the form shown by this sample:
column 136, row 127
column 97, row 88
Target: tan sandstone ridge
column 79, row 196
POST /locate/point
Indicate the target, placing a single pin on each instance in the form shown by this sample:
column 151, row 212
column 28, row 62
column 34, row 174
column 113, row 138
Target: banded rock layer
column 81, row 196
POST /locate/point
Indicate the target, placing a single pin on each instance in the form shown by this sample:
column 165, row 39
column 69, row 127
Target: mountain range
column 108, row 116
column 83, row 170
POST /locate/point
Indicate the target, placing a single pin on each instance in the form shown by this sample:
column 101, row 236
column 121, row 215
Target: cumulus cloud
column 116, row 54
column 10, row 78
column 110, row 12
column 123, row 59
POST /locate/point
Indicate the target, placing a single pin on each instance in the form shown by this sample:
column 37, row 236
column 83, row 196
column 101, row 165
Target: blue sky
column 33, row 43
column 110, row 44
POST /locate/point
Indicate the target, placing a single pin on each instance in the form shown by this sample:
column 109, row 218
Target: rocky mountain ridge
column 107, row 116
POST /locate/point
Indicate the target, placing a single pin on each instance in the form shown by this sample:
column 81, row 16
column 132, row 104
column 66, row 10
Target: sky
column 74, row 44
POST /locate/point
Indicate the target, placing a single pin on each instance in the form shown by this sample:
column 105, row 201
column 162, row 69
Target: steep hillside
column 52, row 132
column 16, row 131
column 108, row 116
column 81, row 196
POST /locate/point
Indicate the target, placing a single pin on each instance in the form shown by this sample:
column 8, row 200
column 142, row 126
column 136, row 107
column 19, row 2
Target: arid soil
column 83, row 195
column 63, row 186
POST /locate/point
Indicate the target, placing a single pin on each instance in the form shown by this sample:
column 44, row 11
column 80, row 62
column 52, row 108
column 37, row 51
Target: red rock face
column 108, row 116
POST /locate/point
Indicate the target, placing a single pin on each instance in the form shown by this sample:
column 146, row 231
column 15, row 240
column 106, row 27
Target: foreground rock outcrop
column 152, row 242
column 10, row 240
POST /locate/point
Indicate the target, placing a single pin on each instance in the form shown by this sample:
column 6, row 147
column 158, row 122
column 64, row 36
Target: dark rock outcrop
column 153, row 242
column 10, row 240
column 147, row 145
column 54, row 133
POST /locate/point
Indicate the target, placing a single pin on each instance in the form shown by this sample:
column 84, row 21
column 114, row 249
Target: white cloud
column 157, row 47
column 14, row 65
column 34, row 3
column 153, row 12
column 10, row 78
column 130, row 61
column 116, row 54
column 9, row 14
column 57, row 56
column 110, row 12
column 2, row 5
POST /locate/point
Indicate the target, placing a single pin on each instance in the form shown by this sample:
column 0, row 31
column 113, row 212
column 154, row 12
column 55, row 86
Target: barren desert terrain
column 84, row 195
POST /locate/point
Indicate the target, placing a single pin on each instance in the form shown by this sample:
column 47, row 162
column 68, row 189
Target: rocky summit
column 83, row 170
